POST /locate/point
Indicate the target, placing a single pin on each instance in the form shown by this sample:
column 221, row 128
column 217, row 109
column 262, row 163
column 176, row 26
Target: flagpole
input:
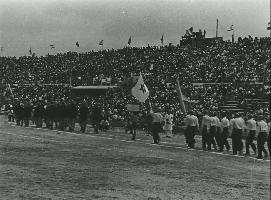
column 11, row 91
column 232, row 35
column 216, row 34
column 1, row 43
column 2, row 51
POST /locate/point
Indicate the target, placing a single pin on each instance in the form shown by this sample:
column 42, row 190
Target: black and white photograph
column 135, row 99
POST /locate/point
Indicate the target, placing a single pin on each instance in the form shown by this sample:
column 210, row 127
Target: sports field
column 44, row 164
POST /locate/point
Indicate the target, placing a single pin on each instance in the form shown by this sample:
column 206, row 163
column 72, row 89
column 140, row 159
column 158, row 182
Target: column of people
column 62, row 115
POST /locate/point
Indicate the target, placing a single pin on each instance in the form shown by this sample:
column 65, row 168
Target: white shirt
column 251, row 124
column 263, row 127
column 215, row 121
column 225, row 122
column 168, row 121
column 192, row 120
column 238, row 123
column 206, row 121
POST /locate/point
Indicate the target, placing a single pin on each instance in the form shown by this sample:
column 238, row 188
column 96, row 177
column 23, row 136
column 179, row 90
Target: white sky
column 38, row 23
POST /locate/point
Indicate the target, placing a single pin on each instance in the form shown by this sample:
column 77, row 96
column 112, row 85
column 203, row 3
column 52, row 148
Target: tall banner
column 178, row 89
column 140, row 90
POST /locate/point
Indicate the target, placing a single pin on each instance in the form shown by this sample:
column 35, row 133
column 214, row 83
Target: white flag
column 140, row 90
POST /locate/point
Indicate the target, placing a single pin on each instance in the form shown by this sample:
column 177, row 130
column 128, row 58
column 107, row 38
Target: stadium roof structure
column 96, row 90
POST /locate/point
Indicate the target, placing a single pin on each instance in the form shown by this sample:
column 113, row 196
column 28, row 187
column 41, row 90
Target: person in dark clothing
column 10, row 110
column 72, row 114
column 62, row 113
column 157, row 120
column 133, row 124
column 49, row 115
column 104, row 125
column 57, row 114
column 96, row 117
column 39, row 114
column 83, row 116
column 27, row 113
column 18, row 111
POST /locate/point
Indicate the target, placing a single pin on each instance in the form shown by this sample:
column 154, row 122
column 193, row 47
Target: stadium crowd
column 239, row 70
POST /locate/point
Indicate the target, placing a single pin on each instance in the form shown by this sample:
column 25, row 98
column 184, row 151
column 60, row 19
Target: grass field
column 44, row 164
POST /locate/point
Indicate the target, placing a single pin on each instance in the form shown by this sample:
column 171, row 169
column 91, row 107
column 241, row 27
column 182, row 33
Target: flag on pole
column 130, row 40
column 162, row 39
column 140, row 90
column 191, row 30
column 178, row 89
column 77, row 44
column 231, row 28
column 101, row 42
column 187, row 33
column 30, row 51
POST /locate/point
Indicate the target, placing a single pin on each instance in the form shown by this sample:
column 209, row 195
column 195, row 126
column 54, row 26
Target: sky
column 36, row 24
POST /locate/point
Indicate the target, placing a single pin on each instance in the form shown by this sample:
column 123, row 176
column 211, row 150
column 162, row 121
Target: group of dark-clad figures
column 63, row 115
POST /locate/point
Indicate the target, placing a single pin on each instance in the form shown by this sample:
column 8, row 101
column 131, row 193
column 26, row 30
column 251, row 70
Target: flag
column 187, row 33
column 30, row 51
column 162, row 39
column 181, row 97
column 231, row 28
column 269, row 26
column 77, row 44
column 190, row 30
column 130, row 40
column 140, row 90
column 52, row 46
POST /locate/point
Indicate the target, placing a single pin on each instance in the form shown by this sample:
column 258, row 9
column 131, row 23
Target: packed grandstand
column 210, row 76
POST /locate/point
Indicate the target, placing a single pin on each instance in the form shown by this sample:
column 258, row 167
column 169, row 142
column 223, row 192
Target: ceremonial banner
column 140, row 90
column 181, row 97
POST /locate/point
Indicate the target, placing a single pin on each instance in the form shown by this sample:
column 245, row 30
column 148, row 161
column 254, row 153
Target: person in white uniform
column 238, row 126
column 251, row 129
column 168, row 124
column 262, row 137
